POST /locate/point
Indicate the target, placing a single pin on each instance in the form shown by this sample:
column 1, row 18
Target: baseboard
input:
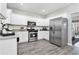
column 69, row 44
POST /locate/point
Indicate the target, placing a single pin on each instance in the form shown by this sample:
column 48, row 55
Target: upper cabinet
column 3, row 10
column 42, row 22
column 18, row 19
column 23, row 19
column 8, row 16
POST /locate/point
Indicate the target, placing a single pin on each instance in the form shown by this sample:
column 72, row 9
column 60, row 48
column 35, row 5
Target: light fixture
column 21, row 3
column 43, row 10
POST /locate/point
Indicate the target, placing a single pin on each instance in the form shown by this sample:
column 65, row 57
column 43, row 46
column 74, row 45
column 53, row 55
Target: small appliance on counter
column 5, row 31
column 44, row 28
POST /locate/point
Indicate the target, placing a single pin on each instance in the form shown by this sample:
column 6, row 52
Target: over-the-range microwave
column 31, row 23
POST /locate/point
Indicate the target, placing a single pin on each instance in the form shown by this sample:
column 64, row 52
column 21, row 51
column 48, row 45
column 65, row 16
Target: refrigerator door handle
column 54, row 29
column 50, row 28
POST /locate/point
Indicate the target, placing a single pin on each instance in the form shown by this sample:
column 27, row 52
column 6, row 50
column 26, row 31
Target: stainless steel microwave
column 30, row 23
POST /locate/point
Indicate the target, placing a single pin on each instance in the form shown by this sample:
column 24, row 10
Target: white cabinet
column 42, row 23
column 8, row 16
column 3, row 9
column 18, row 19
column 23, row 36
column 43, row 35
column 8, row 46
column 9, row 13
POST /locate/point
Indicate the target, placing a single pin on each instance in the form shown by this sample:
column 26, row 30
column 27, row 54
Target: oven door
column 32, row 34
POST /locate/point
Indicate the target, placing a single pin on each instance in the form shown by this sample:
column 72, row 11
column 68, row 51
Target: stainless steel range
column 32, row 35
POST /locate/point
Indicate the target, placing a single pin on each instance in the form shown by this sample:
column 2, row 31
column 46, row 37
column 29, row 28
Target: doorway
column 75, row 28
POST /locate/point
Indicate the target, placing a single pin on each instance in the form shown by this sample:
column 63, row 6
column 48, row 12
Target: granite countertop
column 7, row 37
column 43, row 30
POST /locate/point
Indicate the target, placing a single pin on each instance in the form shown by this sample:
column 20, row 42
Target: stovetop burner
column 32, row 30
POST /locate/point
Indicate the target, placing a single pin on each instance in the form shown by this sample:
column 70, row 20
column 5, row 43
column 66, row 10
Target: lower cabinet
column 23, row 36
column 43, row 35
column 8, row 46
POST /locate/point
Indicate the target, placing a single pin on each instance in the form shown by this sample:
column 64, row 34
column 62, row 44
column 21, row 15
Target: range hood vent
column 2, row 17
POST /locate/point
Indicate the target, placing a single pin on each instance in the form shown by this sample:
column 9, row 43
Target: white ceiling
column 38, row 8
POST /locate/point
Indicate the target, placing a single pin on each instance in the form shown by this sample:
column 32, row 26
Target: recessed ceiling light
column 21, row 3
column 43, row 10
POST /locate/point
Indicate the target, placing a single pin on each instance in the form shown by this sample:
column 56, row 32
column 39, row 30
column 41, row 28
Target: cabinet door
column 3, row 9
column 18, row 19
column 8, row 19
column 46, row 35
column 40, row 35
column 43, row 35
column 42, row 23
column 23, row 36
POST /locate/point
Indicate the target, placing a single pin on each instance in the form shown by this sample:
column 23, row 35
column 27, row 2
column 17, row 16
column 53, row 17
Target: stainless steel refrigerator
column 58, row 33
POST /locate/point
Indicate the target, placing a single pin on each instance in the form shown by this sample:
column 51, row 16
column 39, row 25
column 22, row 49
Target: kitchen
column 33, row 29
